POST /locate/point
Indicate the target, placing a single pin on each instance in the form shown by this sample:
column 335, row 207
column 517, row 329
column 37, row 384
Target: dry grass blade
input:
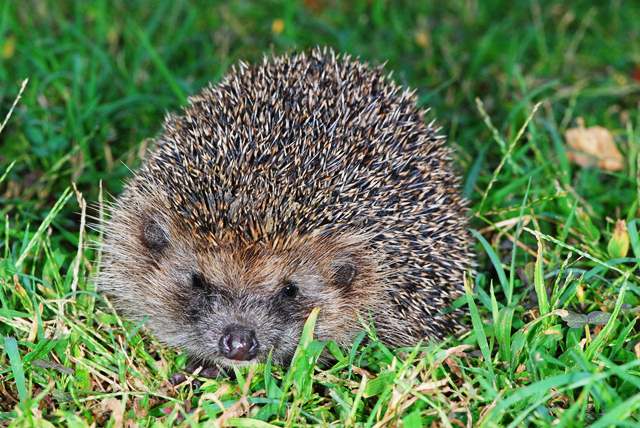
column 15, row 103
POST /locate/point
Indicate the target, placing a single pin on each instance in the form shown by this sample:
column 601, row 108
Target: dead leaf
column 636, row 349
column 558, row 400
column 422, row 38
column 277, row 26
column 44, row 364
column 456, row 351
column 315, row 6
column 457, row 422
column 363, row 372
column 635, row 73
column 593, row 146
column 9, row 47
column 598, row 318
column 429, row 387
column 117, row 411
column 454, row 367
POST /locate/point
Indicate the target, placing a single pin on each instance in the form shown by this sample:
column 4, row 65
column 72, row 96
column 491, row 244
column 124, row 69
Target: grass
column 554, row 304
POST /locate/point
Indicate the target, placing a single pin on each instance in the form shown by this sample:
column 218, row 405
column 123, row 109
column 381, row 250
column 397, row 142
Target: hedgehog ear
column 344, row 272
column 154, row 236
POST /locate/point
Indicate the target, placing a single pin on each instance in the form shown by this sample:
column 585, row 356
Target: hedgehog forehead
column 251, row 268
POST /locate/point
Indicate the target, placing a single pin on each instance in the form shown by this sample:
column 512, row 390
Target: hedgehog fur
column 309, row 180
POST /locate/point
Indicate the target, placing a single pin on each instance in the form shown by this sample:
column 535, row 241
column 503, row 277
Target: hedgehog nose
column 238, row 343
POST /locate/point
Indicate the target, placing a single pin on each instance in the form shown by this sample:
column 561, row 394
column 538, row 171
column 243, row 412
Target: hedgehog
column 308, row 180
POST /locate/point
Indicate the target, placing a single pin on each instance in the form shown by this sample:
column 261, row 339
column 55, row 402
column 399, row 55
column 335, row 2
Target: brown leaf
column 9, row 47
column 458, row 351
column 429, row 387
column 635, row 73
column 453, row 366
column 363, row 372
column 116, row 408
column 422, row 38
column 593, row 146
column 277, row 26
column 315, row 6
column 45, row 364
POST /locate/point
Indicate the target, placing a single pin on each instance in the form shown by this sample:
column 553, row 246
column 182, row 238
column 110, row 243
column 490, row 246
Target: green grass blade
column 621, row 412
column 7, row 171
column 601, row 339
column 495, row 261
column 540, row 389
column 539, row 282
column 478, row 329
column 60, row 203
column 17, row 368
column 160, row 64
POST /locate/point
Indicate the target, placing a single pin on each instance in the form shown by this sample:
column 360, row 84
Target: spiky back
column 317, row 142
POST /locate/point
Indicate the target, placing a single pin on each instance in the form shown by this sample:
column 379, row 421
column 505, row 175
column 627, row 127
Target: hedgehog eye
column 344, row 274
column 198, row 281
column 290, row 290
column 154, row 237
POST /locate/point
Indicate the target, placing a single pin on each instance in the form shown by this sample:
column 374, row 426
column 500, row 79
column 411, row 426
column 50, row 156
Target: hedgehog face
column 234, row 304
column 244, row 303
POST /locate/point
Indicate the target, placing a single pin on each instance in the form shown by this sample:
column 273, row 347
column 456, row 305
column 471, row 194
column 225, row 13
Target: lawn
column 553, row 306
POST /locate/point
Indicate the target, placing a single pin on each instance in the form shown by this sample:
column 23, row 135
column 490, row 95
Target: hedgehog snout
column 239, row 343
